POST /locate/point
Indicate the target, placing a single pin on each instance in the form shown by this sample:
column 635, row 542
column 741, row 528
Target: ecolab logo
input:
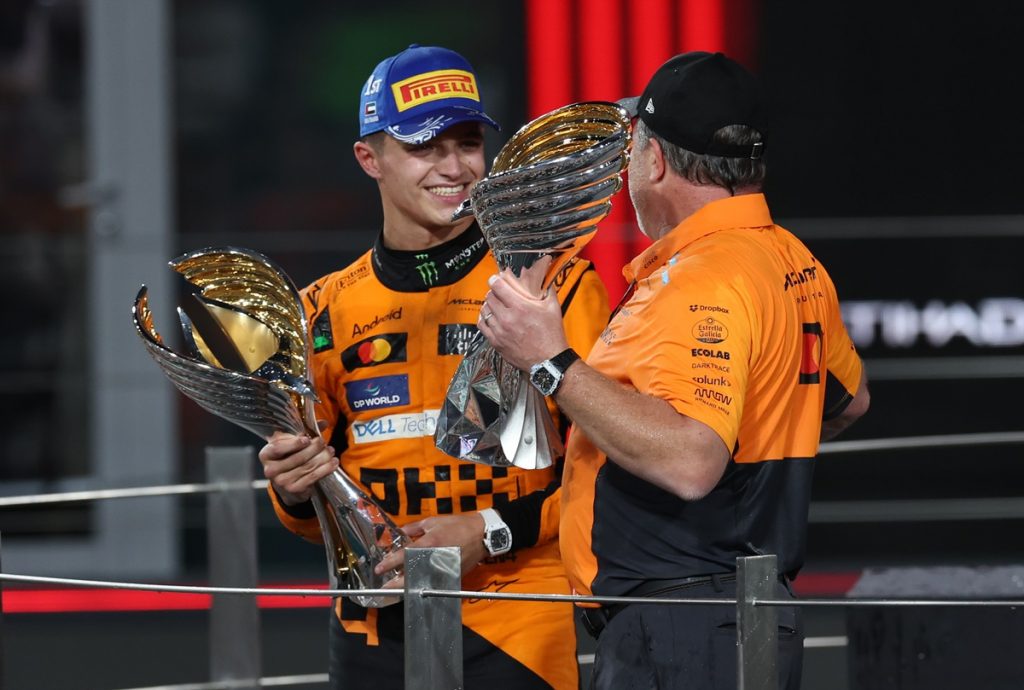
column 994, row 322
column 704, row 352
column 433, row 86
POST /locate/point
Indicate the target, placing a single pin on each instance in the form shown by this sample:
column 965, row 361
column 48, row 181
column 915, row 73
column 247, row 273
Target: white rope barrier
column 136, row 492
column 266, row 682
column 981, row 439
column 515, row 596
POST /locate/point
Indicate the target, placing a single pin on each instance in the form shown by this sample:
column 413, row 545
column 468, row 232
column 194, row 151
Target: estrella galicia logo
column 379, row 349
column 378, row 392
column 323, row 336
column 455, row 338
column 710, row 331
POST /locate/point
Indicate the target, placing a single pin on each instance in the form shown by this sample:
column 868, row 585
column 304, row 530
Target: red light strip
column 605, row 49
column 601, row 58
column 121, row 600
column 701, row 25
column 106, row 600
column 549, row 48
column 650, row 40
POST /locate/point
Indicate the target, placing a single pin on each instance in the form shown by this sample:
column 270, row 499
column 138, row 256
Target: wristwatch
column 547, row 375
column 497, row 535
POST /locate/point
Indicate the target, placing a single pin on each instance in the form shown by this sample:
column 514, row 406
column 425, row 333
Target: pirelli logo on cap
column 433, row 86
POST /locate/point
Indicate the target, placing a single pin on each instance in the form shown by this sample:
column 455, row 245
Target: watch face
column 499, row 540
column 544, row 380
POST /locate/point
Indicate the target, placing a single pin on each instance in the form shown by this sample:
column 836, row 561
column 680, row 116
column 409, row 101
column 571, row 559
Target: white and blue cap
column 419, row 93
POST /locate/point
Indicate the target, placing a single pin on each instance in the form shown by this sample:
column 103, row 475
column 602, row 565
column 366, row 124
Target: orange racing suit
column 388, row 333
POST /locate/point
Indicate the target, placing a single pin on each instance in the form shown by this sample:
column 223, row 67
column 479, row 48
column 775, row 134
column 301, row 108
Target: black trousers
column 356, row 665
column 687, row 646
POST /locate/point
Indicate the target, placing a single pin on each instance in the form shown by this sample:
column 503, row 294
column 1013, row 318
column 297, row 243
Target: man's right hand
column 294, row 464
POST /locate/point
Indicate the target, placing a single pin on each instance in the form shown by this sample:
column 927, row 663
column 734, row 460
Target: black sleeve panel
column 837, row 398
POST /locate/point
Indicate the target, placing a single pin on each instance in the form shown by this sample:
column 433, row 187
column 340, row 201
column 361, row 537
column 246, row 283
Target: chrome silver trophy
column 548, row 188
column 248, row 363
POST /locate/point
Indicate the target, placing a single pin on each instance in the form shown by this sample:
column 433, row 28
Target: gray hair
column 731, row 173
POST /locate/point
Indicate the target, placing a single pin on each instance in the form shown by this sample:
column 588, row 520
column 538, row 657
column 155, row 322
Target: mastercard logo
column 378, row 349
column 374, row 351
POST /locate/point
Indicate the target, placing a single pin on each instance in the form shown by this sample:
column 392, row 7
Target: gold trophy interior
column 248, row 363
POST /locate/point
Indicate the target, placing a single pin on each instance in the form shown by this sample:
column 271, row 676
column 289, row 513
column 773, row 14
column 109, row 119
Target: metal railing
column 432, row 588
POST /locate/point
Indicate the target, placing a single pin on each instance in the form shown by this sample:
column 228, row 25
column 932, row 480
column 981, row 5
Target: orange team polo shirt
column 734, row 323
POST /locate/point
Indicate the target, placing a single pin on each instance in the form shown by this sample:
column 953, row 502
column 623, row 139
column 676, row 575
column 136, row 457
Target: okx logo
column 427, row 269
column 380, row 349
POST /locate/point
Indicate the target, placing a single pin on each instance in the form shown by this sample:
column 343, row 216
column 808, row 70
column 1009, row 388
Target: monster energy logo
column 427, row 269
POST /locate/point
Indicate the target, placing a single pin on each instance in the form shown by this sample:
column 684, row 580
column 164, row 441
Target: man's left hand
column 465, row 530
column 524, row 330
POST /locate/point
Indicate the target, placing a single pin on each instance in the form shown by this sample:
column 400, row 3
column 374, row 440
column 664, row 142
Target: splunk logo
column 396, row 426
column 378, row 392
column 380, row 349
column 994, row 322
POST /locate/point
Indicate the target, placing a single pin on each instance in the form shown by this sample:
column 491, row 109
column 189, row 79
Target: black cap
column 694, row 95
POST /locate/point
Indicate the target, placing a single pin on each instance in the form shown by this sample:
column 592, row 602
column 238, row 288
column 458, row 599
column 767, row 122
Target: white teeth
column 447, row 191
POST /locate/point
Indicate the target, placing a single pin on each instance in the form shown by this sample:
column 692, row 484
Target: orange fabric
column 378, row 334
column 726, row 323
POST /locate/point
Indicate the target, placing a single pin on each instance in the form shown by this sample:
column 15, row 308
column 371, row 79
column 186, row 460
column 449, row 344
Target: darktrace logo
column 323, row 336
column 705, row 352
column 427, row 269
column 380, row 349
column 455, row 338
column 393, row 315
column 378, row 392
column 710, row 365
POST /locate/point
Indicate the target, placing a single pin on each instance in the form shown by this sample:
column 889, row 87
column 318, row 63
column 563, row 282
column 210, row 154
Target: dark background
column 895, row 152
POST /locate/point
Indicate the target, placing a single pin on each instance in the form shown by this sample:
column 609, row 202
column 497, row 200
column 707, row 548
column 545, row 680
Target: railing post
column 231, row 534
column 756, row 626
column 433, row 625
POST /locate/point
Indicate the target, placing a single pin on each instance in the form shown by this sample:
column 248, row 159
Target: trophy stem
column 357, row 536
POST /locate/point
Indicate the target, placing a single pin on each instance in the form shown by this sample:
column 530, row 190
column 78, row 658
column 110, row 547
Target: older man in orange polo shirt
column 698, row 413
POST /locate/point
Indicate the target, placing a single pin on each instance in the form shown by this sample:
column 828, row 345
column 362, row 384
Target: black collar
column 418, row 271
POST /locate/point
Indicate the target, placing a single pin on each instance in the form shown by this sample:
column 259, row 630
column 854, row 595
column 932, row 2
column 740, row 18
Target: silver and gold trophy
column 247, row 361
column 548, row 188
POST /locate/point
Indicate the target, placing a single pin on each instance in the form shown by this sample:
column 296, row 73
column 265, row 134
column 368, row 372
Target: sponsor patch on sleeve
column 323, row 336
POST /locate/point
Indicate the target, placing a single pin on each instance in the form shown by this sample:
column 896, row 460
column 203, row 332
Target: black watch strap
column 564, row 358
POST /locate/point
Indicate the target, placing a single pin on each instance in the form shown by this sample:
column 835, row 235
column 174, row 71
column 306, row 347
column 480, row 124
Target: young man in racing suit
column 388, row 333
